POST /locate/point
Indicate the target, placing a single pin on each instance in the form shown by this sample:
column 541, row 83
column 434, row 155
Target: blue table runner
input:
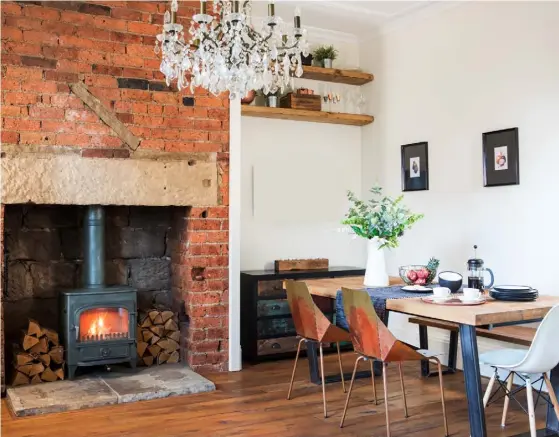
column 378, row 297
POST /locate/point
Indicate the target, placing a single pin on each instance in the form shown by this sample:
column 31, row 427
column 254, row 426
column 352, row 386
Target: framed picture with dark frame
column 415, row 167
column 500, row 158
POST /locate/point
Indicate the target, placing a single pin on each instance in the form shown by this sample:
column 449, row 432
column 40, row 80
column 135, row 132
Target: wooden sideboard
column 267, row 330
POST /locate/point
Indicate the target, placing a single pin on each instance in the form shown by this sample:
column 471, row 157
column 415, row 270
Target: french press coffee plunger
column 476, row 273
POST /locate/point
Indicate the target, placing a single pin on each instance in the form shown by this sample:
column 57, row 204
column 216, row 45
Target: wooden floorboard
column 253, row 403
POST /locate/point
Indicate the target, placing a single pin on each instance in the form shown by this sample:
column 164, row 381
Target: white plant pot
column 375, row 274
column 327, row 63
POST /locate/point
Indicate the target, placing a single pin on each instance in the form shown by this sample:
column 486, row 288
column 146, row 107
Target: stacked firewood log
column 158, row 337
column 39, row 358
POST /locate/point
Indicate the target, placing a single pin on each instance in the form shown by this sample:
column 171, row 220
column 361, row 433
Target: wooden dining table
column 492, row 313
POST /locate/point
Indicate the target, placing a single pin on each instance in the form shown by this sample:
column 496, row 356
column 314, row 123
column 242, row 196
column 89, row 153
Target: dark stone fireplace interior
column 44, row 255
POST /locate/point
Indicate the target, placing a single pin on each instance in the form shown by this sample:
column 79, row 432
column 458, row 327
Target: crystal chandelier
column 224, row 51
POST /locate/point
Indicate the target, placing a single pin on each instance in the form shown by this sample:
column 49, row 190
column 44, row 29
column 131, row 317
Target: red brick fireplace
column 56, row 150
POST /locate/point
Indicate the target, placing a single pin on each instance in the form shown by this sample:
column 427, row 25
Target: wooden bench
column 519, row 335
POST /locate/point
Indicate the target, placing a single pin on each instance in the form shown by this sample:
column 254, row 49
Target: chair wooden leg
column 341, row 367
column 552, row 395
column 349, row 392
column 440, row 368
column 385, row 384
column 507, row 399
column 531, row 414
column 489, row 389
column 373, row 380
column 294, row 368
column 323, row 382
column 403, row 389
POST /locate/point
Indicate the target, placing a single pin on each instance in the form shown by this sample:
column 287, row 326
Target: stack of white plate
column 514, row 293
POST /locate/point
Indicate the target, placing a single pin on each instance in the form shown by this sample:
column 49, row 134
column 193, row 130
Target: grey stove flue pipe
column 94, row 247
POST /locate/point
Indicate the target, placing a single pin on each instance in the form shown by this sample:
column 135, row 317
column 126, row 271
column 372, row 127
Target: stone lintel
column 59, row 175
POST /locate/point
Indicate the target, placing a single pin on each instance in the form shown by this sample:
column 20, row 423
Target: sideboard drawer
column 281, row 327
column 279, row 345
column 276, row 307
column 271, row 288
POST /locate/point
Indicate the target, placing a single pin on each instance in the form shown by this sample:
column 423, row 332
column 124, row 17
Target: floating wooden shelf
column 349, row 77
column 302, row 115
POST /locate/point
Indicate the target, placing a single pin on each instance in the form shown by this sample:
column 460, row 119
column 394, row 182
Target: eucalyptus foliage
column 381, row 217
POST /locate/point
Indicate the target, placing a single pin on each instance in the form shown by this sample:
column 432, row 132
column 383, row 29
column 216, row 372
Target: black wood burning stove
column 98, row 322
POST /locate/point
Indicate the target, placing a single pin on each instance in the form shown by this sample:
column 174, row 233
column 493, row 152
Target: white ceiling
column 354, row 17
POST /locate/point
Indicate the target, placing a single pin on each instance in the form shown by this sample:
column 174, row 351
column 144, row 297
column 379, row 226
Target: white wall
column 294, row 178
column 446, row 79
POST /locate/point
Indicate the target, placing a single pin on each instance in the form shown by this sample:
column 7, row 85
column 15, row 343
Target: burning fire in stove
column 103, row 324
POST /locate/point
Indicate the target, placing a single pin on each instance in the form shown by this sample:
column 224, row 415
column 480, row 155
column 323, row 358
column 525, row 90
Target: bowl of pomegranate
column 419, row 274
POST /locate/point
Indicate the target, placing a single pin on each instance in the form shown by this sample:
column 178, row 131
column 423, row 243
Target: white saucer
column 441, row 298
column 476, row 300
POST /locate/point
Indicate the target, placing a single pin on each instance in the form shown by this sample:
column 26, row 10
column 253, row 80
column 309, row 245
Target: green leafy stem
column 381, row 217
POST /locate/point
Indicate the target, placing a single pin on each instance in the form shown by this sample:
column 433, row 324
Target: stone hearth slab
column 54, row 397
column 157, row 382
column 94, row 390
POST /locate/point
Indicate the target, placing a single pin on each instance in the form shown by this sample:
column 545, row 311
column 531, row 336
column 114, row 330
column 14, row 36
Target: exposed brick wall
column 109, row 46
column 200, row 272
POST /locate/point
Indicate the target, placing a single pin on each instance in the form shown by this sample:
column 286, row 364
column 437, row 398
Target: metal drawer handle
column 276, row 307
column 276, row 346
column 105, row 352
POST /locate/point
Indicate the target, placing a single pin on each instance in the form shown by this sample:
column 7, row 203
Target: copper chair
column 312, row 326
column 373, row 341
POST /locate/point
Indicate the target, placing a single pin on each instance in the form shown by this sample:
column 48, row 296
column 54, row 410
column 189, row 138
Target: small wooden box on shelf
column 309, row 102
column 283, row 265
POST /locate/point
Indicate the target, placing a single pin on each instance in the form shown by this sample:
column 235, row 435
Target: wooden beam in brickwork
column 81, row 90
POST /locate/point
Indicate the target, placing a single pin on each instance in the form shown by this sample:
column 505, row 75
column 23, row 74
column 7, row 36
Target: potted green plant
column 271, row 99
column 382, row 221
column 325, row 55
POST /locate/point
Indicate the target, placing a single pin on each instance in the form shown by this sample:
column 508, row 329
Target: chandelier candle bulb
column 203, row 6
column 271, row 9
column 236, row 6
column 297, row 19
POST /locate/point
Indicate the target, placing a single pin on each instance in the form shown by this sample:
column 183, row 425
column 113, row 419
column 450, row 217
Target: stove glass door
column 99, row 324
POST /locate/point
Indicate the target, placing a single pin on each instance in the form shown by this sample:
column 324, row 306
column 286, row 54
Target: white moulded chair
column 540, row 359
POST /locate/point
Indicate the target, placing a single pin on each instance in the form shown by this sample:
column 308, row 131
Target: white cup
column 441, row 292
column 471, row 294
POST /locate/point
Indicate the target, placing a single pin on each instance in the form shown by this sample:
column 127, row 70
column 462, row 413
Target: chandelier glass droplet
column 223, row 51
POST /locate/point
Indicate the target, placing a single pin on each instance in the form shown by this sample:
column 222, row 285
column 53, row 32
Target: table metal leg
column 314, row 374
column 452, row 351
column 472, row 380
column 424, row 344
